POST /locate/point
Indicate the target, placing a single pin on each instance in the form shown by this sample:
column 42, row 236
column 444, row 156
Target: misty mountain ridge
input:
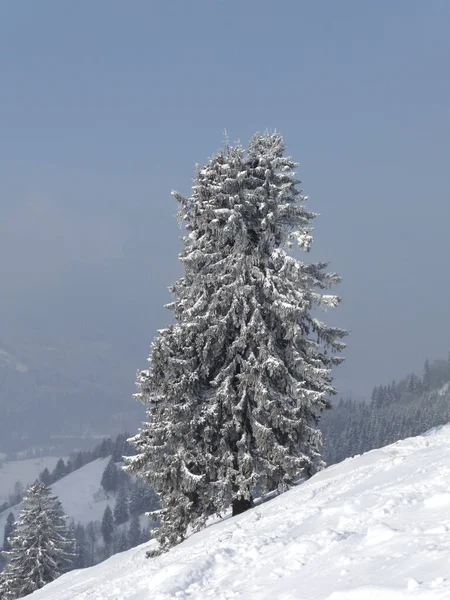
column 51, row 388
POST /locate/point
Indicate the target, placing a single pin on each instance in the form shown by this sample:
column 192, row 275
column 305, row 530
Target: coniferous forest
column 395, row 411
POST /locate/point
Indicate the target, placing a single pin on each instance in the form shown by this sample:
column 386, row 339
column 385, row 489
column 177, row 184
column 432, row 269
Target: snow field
column 375, row 527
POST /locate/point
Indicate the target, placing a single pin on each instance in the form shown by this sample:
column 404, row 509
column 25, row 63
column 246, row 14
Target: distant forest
column 396, row 411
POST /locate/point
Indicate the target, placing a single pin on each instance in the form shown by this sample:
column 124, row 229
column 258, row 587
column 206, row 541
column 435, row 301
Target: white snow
column 375, row 527
column 444, row 389
column 24, row 471
column 80, row 493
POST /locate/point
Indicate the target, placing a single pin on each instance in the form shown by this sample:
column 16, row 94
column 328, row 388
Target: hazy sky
column 106, row 105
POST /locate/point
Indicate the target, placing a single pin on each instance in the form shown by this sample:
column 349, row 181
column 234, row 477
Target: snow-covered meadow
column 375, row 527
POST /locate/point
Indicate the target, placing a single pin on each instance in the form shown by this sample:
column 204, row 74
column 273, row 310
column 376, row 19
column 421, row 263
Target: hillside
column 373, row 527
column 80, row 493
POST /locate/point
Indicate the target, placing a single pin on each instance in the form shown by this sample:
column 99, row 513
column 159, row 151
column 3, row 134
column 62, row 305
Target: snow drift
column 375, row 527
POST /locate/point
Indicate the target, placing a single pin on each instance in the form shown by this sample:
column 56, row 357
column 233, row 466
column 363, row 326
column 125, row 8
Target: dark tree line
column 99, row 540
column 396, row 411
column 108, row 447
column 116, row 448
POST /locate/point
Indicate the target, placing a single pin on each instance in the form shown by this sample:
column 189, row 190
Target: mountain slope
column 80, row 493
column 373, row 527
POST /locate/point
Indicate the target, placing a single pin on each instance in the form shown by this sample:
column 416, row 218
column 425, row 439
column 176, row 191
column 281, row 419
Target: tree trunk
column 240, row 505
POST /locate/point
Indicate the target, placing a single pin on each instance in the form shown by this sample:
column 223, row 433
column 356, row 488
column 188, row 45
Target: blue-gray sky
column 106, row 105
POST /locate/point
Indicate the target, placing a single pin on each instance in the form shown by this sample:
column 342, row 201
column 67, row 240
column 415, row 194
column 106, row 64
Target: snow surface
column 25, row 471
column 80, row 493
column 375, row 527
column 444, row 389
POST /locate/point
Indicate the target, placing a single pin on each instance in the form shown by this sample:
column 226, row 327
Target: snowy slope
column 80, row 493
column 25, row 471
column 375, row 527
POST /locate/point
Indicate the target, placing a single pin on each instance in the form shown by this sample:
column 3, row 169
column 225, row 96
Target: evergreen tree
column 134, row 533
column 72, row 546
column 119, row 447
column 9, row 528
column 106, row 448
column 136, row 499
column 39, row 544
column 109, row 477
column 91, row 543
column 236, row 386
column 121, row 513
column 122, row 542
column 81, row 556
column 59, row 471
column 426, row 377
column 375, row 395
column 107, row 525
column 413, row 383
column 45, row 477
column 78, row 461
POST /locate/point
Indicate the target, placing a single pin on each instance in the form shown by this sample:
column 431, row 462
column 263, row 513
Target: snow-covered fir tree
column 236, row 386
column 39, row 545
